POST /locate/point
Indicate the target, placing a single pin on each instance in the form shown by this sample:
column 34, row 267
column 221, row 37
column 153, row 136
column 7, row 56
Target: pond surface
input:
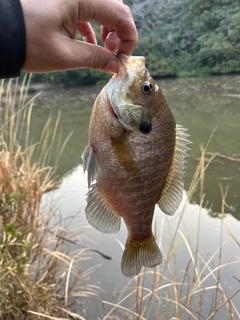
column 200, row 105
column 203, row 106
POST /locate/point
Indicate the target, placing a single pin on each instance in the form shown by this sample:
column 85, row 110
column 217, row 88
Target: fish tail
column 140, row 253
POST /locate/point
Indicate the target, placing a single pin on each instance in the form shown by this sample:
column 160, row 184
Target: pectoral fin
column 99, row 212
column 124, row 153
column 172, row 192
column 89, row 164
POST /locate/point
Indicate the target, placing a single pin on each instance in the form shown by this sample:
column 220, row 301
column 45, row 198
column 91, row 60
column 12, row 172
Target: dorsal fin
column 172, row 192
column 89, row 164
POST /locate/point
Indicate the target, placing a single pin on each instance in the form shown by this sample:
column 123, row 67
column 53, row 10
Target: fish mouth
column 135, row 63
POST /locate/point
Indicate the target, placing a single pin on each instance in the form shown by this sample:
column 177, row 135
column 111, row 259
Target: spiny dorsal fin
column 99, row 213
column 172, row 192
column 138, row 254
column 89, row 164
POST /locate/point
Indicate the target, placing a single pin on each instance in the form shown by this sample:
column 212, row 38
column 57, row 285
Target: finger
column 86, row 30
column 112, row 42
column 104, row 33
column 112, row 14
column 77, row 54
column 105, row 30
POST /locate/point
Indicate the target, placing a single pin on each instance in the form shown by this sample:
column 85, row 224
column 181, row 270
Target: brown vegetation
column 35, row 268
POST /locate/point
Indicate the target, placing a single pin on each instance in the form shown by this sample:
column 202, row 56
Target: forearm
column 12, row 38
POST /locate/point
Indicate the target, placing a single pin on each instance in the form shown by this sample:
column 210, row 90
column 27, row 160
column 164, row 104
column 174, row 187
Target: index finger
column 112, row 14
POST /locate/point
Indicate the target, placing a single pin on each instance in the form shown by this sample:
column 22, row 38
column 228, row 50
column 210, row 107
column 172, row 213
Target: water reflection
column 201, row 105
column 70, row 200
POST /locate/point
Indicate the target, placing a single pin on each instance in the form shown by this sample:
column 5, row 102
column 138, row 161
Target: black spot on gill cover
column 145, row 127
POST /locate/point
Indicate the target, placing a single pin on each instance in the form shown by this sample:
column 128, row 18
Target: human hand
column 51, row 28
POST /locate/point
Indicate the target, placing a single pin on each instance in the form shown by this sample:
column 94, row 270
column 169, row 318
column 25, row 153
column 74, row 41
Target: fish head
column 131, row 94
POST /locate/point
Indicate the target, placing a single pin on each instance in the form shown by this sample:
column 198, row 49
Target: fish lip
column 121, row 55
column 122, row 68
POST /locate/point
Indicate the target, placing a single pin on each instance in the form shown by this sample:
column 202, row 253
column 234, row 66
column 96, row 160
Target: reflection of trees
column 234, row 157
column 222, row 174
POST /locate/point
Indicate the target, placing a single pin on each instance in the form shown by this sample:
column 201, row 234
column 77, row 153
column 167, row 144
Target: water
column 202, row 106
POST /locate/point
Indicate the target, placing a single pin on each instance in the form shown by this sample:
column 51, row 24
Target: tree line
column 177, row 38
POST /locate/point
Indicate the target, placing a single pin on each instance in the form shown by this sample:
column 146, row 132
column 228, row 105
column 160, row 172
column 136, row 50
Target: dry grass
column 192, row 292
column 37, row 275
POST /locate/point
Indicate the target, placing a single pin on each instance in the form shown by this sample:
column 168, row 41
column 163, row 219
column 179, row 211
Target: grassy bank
column 35, row 267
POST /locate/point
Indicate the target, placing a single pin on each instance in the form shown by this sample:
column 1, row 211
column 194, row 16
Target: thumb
column 74, row 54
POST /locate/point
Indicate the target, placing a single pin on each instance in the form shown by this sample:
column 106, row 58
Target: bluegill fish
column 136, row 156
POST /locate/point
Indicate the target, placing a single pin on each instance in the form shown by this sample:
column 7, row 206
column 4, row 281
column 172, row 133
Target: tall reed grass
column 37, row 274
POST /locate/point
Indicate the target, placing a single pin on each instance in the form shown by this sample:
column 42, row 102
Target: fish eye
column 146, row 87
column 145, row 127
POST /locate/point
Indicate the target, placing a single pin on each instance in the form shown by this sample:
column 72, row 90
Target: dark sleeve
column 12, row 38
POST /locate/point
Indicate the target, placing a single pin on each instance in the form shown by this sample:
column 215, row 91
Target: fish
column 135, row 159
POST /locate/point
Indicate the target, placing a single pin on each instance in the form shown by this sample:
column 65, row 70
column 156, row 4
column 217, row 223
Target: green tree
column 217, row 28
column 177, row 38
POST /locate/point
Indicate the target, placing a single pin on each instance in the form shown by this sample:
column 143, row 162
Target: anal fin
column 99, row 213
column 138, row 254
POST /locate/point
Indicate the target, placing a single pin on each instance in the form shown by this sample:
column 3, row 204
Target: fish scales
column 136, row 154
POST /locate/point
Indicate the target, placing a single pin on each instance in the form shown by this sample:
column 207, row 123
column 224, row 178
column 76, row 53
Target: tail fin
column 140, row 253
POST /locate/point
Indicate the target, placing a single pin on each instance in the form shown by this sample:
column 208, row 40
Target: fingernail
column 112, row 66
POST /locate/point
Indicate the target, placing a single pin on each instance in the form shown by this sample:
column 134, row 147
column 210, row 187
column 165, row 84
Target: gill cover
column 118, row 91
